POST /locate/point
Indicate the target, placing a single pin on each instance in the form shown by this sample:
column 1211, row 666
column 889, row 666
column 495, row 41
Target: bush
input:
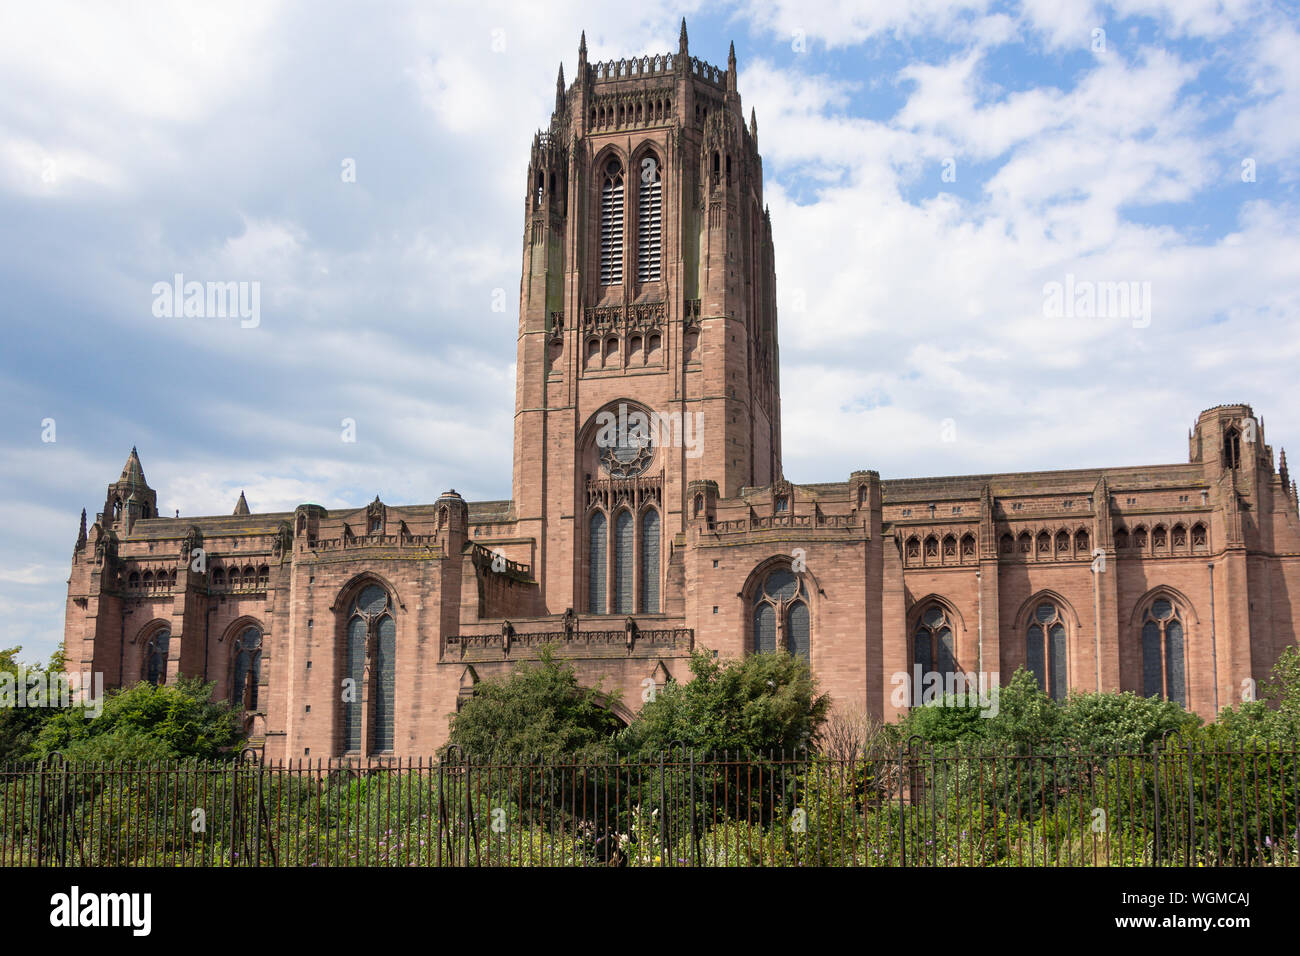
column 761, row 703
column 539, row 710
column 145, row 722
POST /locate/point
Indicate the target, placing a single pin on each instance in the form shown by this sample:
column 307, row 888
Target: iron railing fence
column 921, row 805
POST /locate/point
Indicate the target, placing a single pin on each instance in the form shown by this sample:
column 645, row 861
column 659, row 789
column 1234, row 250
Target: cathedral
column 650, row 516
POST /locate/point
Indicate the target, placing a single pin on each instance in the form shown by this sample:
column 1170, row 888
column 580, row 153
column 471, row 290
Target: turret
column 130, row 498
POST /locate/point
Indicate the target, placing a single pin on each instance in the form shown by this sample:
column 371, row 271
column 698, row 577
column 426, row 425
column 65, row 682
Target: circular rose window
column 629, row 458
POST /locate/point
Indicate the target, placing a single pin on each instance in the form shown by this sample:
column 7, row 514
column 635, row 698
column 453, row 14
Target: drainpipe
column 979, row 593
column 1214, row 651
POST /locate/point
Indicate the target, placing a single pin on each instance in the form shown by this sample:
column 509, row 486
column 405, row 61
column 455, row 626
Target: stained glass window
column 623, row 562
column 248, row 668
column 650, row 562
column 1047, row 651
column 159, row 645
column 1164, row 667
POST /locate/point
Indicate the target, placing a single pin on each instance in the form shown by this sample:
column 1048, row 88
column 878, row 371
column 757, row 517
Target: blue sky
column 140, row 142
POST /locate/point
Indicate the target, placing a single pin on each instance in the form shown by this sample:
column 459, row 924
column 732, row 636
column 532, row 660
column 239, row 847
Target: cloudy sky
column 931, row 166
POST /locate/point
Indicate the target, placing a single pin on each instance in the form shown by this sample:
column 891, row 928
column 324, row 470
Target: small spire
column 681, row 41
column 241, row 506
column 731, row 57
column 582, row 47
column 81, row 535
column 559, row 90
column 753, row 125
column 133, row 471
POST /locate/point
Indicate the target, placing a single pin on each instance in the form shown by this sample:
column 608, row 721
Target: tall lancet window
column 649, row 232
column 1164, row 672
column 248, row 669
column 597, row 542
column 623, row 562
column 371, row 629
column 650, row 562
column 611, row 224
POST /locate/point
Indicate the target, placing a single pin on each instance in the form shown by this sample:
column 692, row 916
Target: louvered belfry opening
column 611, row 225
column 649, row 239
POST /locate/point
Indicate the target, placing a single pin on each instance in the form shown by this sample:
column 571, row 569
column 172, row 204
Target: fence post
column 695, row 841
column 1155, row 770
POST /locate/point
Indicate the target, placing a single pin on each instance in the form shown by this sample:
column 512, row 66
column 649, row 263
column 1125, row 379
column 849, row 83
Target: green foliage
column 145, row 722
column 945, row 722
column 1123, row 721
column 539, row 710
column 19, row 726
column 757, row 704
column 1027, row 717
column 1275, row 715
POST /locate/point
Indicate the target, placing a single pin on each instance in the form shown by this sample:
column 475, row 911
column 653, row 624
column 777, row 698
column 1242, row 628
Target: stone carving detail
column 283, row 544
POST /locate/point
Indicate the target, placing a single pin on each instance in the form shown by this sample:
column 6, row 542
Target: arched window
column 1158, row 537
column 156, row 656
column 1026, row 542
column 597, row 540
column 1045, row 650
column 913, row 548
column 1198, row 536
column 623, row 562
column 1044, row 544
column 371, row 631
column 1140, row 538
column 1006, row 545
column 248, row 669
column 781, row 615
column 1121, row 539
column 1163, row 661
column 650, row 562
column 933, row 649
column 1231, row 447
column 649, row 232
column 1081, row 542
column 611, row 224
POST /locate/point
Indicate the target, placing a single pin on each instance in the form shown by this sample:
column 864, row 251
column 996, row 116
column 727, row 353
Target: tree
column 145, row 722
column 1275, row 715
column 759, row 703
column 19, row 726
column 538, row 710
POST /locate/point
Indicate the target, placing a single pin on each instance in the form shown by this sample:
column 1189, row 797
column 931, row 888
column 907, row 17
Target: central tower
column 648, row 286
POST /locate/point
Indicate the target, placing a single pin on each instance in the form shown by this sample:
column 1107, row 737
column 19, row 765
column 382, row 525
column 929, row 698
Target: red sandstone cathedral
column 648, row 294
